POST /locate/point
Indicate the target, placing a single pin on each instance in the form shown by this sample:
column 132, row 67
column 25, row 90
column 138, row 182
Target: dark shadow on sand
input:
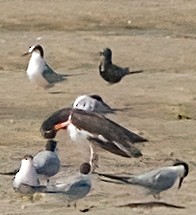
column 10, row 173
column 151, row 204
column 121, row 109
column 71, row 75
column 57, row 92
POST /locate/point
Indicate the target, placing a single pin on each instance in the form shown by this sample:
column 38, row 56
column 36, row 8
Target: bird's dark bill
column 180, row 183
column 25, row 54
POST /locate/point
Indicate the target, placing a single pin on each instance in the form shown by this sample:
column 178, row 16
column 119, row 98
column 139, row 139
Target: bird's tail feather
column 125, row 179
column 135, row 72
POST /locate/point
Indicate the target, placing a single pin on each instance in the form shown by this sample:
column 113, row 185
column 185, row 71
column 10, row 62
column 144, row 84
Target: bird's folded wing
column 51, row 76
column 108, row 134
column 100, row 125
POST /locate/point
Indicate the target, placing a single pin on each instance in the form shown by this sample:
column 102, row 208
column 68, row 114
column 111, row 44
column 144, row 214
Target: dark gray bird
column 96, row 128
column 46, row 162
column 111, row 72
column 158, row 180
column 38, row 70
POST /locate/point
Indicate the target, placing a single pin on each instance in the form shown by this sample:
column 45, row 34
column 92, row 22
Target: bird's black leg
column 156, row 196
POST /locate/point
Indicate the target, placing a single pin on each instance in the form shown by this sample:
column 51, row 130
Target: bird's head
column 85, row 168
column 35, row 48
column 27, row 160
column 54, row 123
column 182, row 174
column 51, row 145
column 106, row 53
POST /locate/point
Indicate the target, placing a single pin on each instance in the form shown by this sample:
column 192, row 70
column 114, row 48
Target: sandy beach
column 159, row 104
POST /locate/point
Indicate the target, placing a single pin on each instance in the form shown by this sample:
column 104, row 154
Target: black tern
column 38, row 70
column 47, row 162
column 111, row 72
column 156, row 181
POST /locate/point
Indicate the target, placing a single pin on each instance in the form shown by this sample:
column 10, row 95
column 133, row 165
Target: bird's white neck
column 27, row 168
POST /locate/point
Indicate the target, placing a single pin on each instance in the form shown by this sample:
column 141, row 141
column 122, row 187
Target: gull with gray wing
column 76, row 186
column 38, row 70
column 26, row 180
column 155, row 181
column 47, row 162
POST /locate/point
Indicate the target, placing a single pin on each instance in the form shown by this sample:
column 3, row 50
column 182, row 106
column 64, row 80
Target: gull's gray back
column 156, row 180
column 46, row 163
column 78, row 190
column 51, row 76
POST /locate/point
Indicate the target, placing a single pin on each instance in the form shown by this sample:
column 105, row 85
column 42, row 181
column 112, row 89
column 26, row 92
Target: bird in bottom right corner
column 155, row 181
column 111, row 72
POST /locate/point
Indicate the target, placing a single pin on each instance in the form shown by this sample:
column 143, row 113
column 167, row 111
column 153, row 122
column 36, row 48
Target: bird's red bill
column 62, row 125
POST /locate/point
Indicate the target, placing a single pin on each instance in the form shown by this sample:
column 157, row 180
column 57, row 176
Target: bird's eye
column 84, row 104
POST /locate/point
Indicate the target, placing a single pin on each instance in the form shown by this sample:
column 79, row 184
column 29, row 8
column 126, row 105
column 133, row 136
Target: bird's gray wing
column 51, row 76
column 163, row 180
column 73, row 190
column 78, row 190
column 155, row 181
column 46, row 163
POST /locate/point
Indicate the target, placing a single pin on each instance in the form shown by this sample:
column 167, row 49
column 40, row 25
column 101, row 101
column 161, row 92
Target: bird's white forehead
column 78, row 99
column 31, row 48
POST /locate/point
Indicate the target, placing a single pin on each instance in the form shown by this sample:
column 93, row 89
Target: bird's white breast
column 35, row 69
column 26, row 175
column 35, row 66
column 77, row 134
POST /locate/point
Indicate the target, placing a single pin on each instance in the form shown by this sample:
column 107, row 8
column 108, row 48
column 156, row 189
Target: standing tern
column 26, row 180
column 111, row 72
column 156, row 181
column 38, row 70
column 96, row 128
column 47, row 162
column 76, row 186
